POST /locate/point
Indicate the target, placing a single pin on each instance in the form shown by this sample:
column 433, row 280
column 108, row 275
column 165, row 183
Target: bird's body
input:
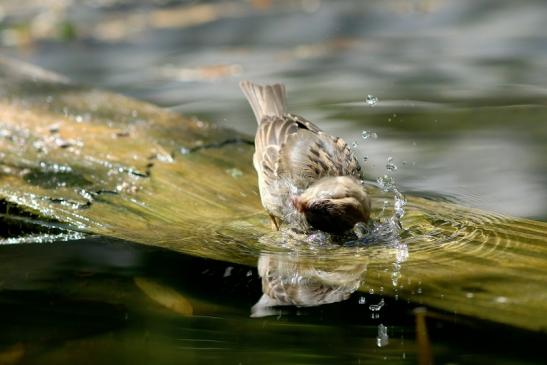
column 305, row 175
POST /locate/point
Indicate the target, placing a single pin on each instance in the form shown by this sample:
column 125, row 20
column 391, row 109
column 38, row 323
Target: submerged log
column 107, row 164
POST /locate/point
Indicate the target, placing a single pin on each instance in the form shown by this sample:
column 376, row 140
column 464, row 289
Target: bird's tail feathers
column 265, row 100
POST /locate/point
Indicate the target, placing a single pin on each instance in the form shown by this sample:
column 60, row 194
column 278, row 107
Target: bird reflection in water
column 289, row 280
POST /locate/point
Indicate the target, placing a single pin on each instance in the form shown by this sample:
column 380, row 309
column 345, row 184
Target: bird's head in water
column 334, row 204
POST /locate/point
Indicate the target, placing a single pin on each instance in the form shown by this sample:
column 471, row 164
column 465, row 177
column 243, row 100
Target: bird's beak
column 298, row 204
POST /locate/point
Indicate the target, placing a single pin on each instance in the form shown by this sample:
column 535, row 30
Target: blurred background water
column 462, row 85
column 461, row 115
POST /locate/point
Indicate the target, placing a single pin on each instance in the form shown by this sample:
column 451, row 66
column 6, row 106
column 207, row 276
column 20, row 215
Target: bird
column 306, row 177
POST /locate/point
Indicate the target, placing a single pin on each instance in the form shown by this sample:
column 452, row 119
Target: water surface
column 462, row 85
column 81, row 301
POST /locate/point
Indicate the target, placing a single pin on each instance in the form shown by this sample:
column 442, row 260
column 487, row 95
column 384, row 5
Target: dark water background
column 462, row 89
column 77, row 302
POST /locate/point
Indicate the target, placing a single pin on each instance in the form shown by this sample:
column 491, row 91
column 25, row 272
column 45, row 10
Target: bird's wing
column 309, row 154
column 271, row 135
column 291, row 152
column 271, row 140
column 303, row 122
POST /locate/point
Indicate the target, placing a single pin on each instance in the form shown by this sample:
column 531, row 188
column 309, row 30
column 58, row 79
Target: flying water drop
column 369, row 135
column 376, row 307
column 371, row 100
column 386, row 183
column 390, row 166
column 382, row 339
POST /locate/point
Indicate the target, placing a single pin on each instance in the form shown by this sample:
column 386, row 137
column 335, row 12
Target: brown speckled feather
column 291, row 152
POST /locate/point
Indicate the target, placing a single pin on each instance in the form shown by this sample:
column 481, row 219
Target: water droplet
column 41, row 238
column 233, row 172
column 395, row 278
column 86, row 195
column 354, row 144
column 184, row 151
column 55, row 168
column 318, row 238
column 382, row 339
column 469, row 295
column 228, row 271
column 362, row 300
column 502, row 300
column 386, row 183
column 369, row 135
column 376, row 307
column 402, row 252
column 390, row 166
column 165, row 157
column 371, row 100
column 399, row 204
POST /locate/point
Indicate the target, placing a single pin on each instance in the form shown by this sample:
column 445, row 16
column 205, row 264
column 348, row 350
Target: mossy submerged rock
column 110, row 165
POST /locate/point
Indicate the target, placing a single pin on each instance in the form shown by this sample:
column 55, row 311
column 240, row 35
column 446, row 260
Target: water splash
column 382, row 339
column 371, row 100
column 42, row 238
column 390, row 166
column 376, row 307
column 369, row 135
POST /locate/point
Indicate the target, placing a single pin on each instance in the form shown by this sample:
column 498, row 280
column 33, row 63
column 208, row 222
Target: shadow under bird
column 307, row 178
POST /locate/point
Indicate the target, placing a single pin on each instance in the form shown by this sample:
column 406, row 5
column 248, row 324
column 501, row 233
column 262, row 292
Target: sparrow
column 306, row 177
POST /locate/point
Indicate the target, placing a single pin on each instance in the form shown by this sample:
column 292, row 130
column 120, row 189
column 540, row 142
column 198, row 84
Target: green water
column 77, row 302
column 461, row 112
